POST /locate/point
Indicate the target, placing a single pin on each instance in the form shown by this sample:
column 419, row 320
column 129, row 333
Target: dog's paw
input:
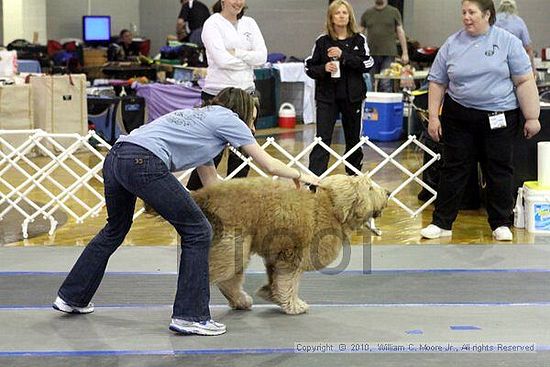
column 296, row 307
column 265, row 293
column 244, row 302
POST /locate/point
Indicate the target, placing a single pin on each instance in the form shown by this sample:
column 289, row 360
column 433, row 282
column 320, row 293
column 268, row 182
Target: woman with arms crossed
column 234, row 46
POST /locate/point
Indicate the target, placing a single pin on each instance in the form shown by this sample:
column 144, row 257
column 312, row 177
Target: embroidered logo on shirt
column 355, row 48
column 186, row 117
column 491, row 52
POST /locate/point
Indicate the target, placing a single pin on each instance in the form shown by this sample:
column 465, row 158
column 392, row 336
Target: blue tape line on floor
column 464, row 327
column 64, row 273
column 327, row 272
column 96, row 353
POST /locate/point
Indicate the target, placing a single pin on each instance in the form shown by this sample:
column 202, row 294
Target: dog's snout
column 388, row 193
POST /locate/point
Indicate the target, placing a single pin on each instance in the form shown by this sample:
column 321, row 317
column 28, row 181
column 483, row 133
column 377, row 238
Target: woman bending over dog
column 140, row 165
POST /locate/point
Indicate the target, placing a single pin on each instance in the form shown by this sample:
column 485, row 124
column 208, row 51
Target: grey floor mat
column 291, row 360
column 264, row 336
column 345, row 288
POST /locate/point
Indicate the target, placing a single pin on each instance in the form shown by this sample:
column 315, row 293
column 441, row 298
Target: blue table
column 28, row 66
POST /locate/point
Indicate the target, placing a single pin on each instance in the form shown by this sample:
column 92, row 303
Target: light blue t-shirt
column 191, row 137
column 515, row 25
column 478, row 69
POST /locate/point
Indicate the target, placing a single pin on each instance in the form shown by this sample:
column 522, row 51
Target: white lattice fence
column 51, row 166
column 65, row 168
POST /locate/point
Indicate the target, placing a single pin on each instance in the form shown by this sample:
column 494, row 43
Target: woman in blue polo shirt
column 508, row 18
column 139, row 165
column 481, row 75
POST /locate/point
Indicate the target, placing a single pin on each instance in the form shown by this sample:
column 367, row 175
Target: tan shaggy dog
column 292, row 230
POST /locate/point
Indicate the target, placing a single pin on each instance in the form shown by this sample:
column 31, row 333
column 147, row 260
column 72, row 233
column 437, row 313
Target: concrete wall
column 34, row 20
column 158, row 19
column 64, row 17
column 434, row 20
column 288, row 26
column 13, row 20
column 21, row 18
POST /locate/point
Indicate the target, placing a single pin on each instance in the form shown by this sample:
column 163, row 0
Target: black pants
column 351, row 122
column 468, row 139
column 233, row 161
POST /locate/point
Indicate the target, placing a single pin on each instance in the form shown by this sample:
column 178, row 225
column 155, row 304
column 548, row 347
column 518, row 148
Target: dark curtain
column 398, row 4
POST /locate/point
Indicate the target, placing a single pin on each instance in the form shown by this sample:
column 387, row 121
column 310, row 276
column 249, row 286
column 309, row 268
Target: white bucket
column 536, row 208
column 543, row 165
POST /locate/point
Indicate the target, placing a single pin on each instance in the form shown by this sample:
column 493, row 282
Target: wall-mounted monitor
column 96, row 29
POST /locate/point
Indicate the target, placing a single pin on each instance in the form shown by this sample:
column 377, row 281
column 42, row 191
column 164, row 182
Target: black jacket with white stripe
column 355, row 61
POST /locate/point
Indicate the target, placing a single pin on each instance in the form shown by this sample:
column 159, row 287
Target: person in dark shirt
column 125, row 49
column 192, row 16
column 383, row 24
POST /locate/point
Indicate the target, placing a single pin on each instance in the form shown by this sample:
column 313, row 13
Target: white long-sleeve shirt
column 232, row 51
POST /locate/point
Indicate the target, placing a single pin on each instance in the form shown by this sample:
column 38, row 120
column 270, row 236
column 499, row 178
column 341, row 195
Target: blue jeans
column 130, row 171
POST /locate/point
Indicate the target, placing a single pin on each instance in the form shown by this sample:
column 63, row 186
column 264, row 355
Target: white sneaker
column 432, row 231
column 63, row 306
column 209, row 327
column 503, row 233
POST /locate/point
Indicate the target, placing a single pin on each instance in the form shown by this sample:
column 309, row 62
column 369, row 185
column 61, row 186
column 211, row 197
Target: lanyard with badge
column 497, row 120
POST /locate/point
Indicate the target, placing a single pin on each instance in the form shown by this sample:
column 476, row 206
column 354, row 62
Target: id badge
column 497, row 120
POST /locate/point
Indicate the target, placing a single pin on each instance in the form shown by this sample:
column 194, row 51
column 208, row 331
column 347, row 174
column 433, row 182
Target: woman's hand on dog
column 308, row 179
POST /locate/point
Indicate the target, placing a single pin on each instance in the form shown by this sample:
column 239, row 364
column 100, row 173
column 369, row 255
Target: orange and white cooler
column 287, row 115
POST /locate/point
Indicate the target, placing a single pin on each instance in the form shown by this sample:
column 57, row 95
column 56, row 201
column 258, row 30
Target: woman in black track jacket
column 338, row 61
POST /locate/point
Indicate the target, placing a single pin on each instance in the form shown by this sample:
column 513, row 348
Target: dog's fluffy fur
column 292, row 230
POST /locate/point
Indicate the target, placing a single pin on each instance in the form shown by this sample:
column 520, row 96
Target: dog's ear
column 342, row 190
column 353, row 198
column 364, row 205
